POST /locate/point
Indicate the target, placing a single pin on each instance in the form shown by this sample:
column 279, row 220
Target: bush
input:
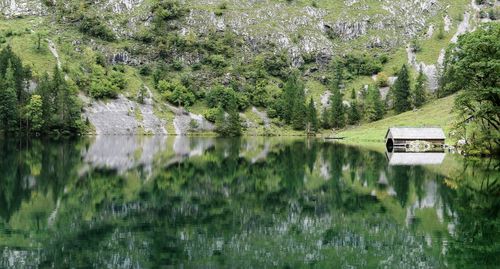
column 176, row 93
column 177, row 65
column 118, row 80
column 211, row 114
column 226, row 97
column 382, row 80
column 94, row 27
column 276, row 64
column 103, row 88
column 145, row 70
column 216, row 61
column 415, row 46
column 362, row 64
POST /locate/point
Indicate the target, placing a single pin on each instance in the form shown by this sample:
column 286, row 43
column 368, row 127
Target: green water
column 155, row 202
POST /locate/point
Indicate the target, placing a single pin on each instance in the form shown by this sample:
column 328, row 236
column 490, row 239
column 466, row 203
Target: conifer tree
column 8, row 102
column 312, row 117
column 299, row 109
column 353, row 115
column 374, row 107
column 289, row 95
column 230, row 124
column 35, row 113
column 326, row 119
column 337, row 109
column 20, row 74
column 44, row 90
column 234, row 122
column 419, row 92
column 401, row 91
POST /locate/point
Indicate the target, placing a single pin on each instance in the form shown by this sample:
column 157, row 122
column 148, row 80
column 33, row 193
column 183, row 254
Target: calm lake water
column 178, row 202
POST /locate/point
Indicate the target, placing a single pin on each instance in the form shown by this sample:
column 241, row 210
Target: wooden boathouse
column 404, row 139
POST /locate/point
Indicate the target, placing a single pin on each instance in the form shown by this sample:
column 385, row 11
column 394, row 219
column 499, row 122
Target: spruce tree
column 374, row 107
column 21, row 74
column 337, row 109
column 419, row 92
column 289, row 94
column 234, row 122
column 354, row 116
column 35, row 113
column 401, row 91
column 312, row 117
column 228, row 124
column 299, row 109
column 44, row 90
column 8, row 102
column 292, row 103
column 326, row 118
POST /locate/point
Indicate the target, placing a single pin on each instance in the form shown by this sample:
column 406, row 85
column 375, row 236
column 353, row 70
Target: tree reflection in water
column 206, row 202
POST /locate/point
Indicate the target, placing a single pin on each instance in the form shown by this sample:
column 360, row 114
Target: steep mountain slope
column 204, row 43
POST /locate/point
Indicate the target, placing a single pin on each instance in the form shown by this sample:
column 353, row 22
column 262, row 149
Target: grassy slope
column 435, row 113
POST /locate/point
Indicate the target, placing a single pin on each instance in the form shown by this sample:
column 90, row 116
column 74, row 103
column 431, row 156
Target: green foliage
column 415, row 46
column 401, row 91
column 101, row 87
column 337, row 109
column 166, row 11
column 419, row 93
column 276, row 64
column 176, row 93
column 374, row 107
column 382, row 80
column 94, row 26
column 216, row 61
column 326, row 118
column 35, row 113
column 211, row 114
column 229, row 124
column 353, row 115
column 312, row 124
column 225, row 97
column 141, row 95
column 472, row 67
column 8, row 101
column 291, row 105
column 20, row 73
column 260, row 96
column 440, row 34
column 362, row 64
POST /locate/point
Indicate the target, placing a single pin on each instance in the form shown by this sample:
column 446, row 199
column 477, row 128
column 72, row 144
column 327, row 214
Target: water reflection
column 149, row 202
column 415, row 158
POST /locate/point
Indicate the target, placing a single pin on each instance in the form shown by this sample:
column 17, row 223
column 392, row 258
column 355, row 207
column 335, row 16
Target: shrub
column 440, row 34
column 118, row 80
column 362, row 64
column 216, row 61
column 103, row 88
column 145, row 70
column 176, row 93
column 225, row 97
column 94, row 27
column 382, row 80
column 415, row 46
column 276, row 64
column 211, row 114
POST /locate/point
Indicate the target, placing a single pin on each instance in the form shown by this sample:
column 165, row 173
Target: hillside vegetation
column 435, row 113
column 198, row 67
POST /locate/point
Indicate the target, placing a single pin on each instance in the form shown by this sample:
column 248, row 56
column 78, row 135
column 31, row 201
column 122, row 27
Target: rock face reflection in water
column 150, row 202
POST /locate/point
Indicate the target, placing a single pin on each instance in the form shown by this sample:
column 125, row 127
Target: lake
column 179, row 202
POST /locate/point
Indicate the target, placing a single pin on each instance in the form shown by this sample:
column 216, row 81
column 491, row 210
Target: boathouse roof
column 415, row 133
